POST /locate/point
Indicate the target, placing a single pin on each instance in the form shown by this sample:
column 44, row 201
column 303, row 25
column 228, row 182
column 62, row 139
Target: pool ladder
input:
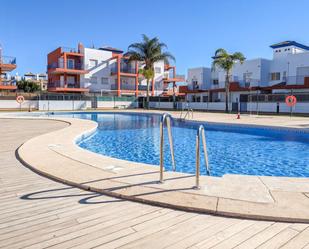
column 200, row 133
column 188, row 113
column 166, row 118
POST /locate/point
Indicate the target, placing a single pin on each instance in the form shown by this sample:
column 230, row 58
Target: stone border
column 64, row 161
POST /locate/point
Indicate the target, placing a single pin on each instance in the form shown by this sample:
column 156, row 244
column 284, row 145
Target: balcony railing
column 130, row 70
column 69, row 50
column 8, row 60
column 130, row 87
column 57, row 83
column 249, row 82
column 295, row 80
column 75, row 66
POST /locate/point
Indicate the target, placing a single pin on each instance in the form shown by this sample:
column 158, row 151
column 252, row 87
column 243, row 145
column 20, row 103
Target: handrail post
column 197, row 163
column 166, row 118
column 161, row 152
column 200, row 132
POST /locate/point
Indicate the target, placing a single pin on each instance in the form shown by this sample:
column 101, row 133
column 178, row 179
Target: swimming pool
column 232, row 149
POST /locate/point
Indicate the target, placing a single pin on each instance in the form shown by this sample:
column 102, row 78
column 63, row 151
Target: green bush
column 28, row 86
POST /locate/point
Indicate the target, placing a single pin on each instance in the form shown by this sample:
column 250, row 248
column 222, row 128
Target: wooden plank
column 279, row 240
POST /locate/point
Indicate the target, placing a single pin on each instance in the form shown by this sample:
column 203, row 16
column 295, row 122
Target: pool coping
column 94, row 172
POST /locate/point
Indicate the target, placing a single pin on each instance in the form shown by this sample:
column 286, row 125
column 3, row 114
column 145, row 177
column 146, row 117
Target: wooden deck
column 36, row 212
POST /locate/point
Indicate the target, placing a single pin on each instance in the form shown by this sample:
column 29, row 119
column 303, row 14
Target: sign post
column 20, row 99
column 291, row 101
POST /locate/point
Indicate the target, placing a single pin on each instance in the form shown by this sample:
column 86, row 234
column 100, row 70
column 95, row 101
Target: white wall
column 62, row 105
column 117, row 104
column 302, row 107
column 200, row 74
column 12, row 104
column 161, row 105
column 102, row 70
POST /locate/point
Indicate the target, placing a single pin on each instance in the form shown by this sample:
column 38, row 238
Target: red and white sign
column 290, row 100
column 20, row 99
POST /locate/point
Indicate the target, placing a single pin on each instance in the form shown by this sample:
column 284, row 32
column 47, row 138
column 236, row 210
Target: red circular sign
column 20, row 99
column 290, row 100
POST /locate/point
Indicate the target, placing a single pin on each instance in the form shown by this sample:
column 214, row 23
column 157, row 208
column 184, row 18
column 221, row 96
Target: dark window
column 215, row 81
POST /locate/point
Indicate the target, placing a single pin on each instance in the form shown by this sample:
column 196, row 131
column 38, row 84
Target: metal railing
column 75, row 66
column 58, row 83
column 7, row 60
column 200, row 132
column 69, row 50
column 130, row 70
column 130, row 87
column 166, row 118
column 188, row 113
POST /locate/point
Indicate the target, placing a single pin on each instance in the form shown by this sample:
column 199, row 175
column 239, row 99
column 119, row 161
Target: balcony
column 71, row 51
column 72, row 68
column 124, row 71
column 130, row 87
column 7, row 63
column 295, row 80
column 58, row 86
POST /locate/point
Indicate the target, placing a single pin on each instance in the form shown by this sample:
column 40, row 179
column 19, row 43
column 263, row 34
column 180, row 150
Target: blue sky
column 193, row 30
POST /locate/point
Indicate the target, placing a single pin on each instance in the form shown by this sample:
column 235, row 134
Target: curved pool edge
column 55, row 155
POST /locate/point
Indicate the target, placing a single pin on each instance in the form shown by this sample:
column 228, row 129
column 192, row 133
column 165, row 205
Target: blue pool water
column 232, row 149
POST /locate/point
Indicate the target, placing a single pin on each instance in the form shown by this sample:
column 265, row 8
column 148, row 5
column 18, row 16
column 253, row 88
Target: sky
column 192, row 29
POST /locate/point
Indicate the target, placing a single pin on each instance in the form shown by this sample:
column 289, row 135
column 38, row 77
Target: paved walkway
column 38, row 213
column 245, row 119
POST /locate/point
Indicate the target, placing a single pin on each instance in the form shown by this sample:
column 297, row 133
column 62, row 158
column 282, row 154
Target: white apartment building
column 104, row 70
column 287, row 71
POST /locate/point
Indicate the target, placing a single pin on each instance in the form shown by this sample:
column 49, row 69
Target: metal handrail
column 188, row 112
column 166, row 118
column 200, row 132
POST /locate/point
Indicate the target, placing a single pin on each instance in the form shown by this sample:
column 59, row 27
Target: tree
column 226, row 61
column 148, row 52
column 27, row 86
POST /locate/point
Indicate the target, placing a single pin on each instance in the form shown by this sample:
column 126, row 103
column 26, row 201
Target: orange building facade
column 103, row 70
column 64, row 68
column 7, row 64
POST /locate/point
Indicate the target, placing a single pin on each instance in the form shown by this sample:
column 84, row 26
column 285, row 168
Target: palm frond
column 149, row 51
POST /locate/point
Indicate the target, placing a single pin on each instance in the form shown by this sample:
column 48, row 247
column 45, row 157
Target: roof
column 285, row 86
column 116, row 50
column 289, row 43
column 29, row 74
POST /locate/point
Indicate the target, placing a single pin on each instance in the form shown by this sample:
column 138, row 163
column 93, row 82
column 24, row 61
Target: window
column 284, row 78
column 275, row 76
column 195, row 84
column 157, row 69
column 94, row 80
column 247, row 77
column 215, row 81
column 70, row 64
column 93, row 63
column 71, row 80
column 205, row 98
column 104, row 81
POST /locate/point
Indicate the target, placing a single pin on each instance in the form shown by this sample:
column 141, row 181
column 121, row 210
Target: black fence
column 279, row 97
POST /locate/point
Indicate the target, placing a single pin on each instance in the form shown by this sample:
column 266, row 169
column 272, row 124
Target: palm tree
column 148, row 52
column 226, row 61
